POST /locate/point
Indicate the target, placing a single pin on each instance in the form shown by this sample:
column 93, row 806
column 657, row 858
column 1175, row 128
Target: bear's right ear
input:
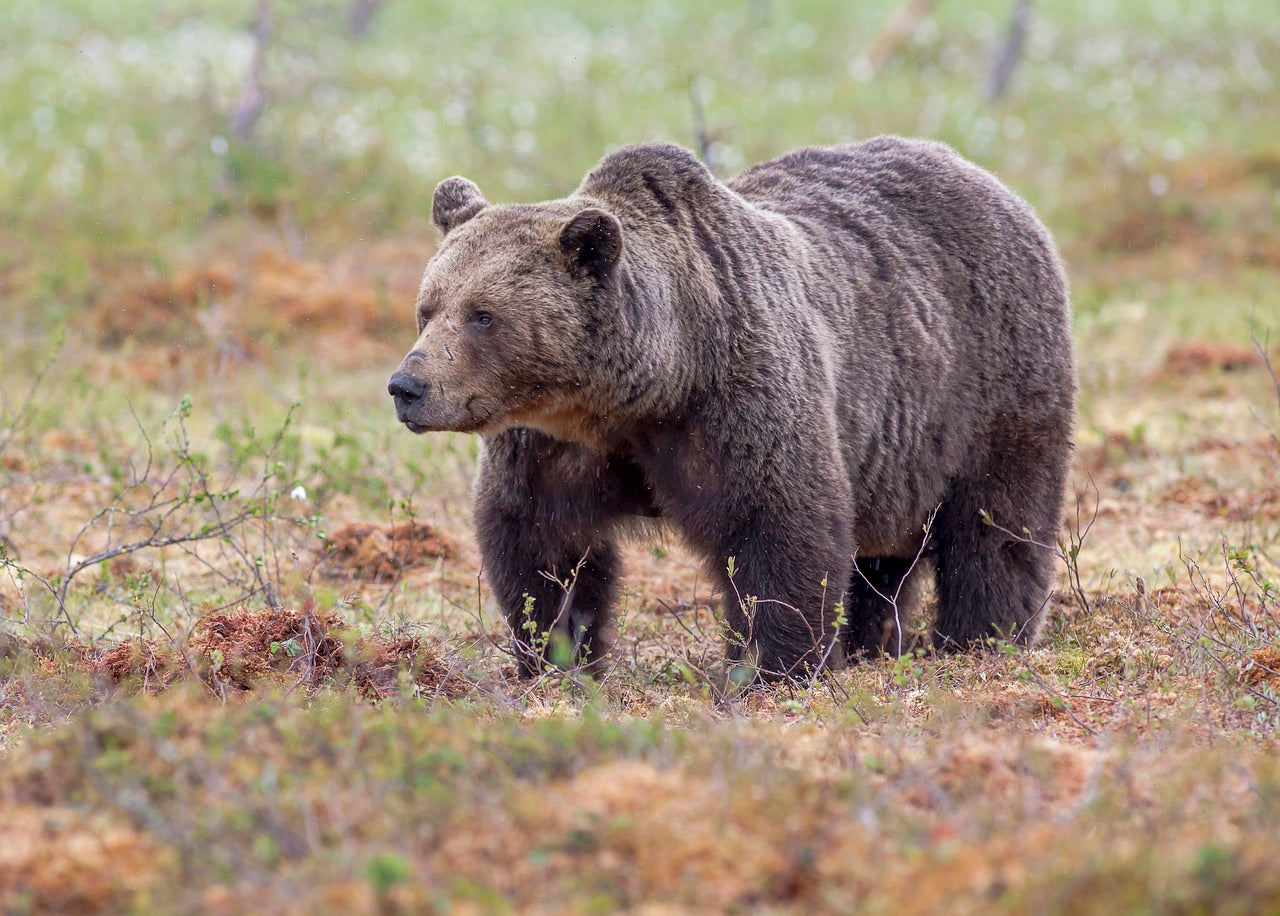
column 592, row 242
column 457, row 199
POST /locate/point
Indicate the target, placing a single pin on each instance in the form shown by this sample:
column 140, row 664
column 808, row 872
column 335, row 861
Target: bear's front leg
column 772, row 517
column 543, row 513
column 783, row 587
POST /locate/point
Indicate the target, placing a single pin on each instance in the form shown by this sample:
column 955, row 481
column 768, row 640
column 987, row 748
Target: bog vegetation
column 247, row 659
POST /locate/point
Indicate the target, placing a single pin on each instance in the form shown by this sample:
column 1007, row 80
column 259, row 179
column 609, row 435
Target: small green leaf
column 385, row 870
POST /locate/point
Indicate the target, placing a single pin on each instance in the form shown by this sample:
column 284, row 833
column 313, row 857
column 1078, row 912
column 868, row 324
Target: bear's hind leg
column 872, row 626
column 994, row 583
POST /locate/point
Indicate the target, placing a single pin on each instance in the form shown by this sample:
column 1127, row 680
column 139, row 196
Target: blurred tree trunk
column 361, row 16
column 1011, row 51
column 701, row 138
column 252, row 95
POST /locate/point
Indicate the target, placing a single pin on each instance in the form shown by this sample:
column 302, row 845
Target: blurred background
column 140, row 139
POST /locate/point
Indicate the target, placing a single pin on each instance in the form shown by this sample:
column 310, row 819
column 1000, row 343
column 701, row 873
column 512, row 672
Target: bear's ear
column 592, row 242
column 457, row 200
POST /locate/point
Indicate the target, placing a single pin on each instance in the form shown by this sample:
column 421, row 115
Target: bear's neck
column 687, row 323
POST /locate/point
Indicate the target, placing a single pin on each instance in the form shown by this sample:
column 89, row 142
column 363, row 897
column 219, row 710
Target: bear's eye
column 482, row 319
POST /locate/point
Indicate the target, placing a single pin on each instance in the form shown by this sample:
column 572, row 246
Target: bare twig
column 1068, row 552
column 1044, row 685
column 181, row 507
column 1272, row 431
column 14, row 419
column 897, row 592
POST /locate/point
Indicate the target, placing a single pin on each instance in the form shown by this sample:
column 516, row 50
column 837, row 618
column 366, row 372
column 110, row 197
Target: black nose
column 405, row 388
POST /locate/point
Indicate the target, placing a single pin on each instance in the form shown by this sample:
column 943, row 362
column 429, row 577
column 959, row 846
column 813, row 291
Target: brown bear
column 800, row 369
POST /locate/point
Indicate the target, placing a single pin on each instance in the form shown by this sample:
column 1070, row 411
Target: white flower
column 298, row 492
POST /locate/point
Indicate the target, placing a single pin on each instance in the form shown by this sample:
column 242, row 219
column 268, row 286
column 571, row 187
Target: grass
column 196, row 336
column 339, row 805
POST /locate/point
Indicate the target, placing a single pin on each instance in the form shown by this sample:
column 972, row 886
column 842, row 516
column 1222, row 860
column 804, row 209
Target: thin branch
column 15, row 421
column 1265, row 358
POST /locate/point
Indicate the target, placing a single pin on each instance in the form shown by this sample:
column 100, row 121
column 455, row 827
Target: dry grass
column 262, row 300
column 58, row 859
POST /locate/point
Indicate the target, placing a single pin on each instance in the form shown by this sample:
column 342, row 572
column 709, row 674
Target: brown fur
column 794, row 368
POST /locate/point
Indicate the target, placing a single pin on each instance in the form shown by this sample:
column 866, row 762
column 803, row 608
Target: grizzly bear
column 830, row 374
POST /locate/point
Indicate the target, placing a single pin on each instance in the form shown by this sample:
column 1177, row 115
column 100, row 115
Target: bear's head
column 513, row 307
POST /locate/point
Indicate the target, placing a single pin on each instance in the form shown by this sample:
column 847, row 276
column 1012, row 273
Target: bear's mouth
column 468, row 420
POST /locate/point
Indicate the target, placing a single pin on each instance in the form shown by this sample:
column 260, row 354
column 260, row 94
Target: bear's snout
column 406, row 391
column 421, row 409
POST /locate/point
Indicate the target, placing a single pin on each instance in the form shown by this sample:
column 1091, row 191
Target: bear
column 834, row 374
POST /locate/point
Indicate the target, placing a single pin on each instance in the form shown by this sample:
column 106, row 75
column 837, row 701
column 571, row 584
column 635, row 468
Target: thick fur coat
column 800, row 369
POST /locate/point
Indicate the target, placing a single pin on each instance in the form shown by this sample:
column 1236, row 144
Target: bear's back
column 916, row 223
column 908, row 188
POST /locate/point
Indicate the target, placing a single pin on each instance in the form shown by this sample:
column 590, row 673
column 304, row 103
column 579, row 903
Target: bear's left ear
column 456, row 200
column 592, row 242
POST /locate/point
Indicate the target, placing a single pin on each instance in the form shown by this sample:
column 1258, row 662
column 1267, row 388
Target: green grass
column 102, row 98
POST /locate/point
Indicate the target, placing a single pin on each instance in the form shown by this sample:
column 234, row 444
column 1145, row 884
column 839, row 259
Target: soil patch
column 380, row 553
column 243, row 649
column 1263, row 667
column 1203, row 356
column 1217, row 213
column 63, row 860
column 361, row 293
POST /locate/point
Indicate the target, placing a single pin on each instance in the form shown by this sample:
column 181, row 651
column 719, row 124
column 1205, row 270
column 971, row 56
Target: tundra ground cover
column 247, row 656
